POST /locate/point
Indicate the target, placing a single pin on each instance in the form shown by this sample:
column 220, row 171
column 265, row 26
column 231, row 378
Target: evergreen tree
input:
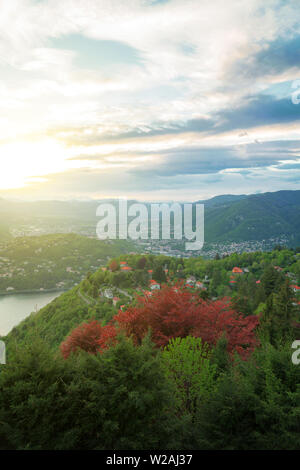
column 284, row 313
column 159, row 274
column 270, row 280
column 120, row 399
column 266, row 328
column 255, row 406
column 220, row 356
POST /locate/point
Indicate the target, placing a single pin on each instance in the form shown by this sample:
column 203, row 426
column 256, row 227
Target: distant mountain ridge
column 228, row 218
column 254, row 217
column 222, row 200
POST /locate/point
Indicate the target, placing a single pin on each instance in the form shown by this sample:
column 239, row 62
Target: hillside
column 86, row 372
column 255, row 217
column 53, row 261
column 88, row 300
column 228, row 218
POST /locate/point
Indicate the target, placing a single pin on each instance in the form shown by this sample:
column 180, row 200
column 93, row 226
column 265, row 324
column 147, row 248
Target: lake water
column 14, row 308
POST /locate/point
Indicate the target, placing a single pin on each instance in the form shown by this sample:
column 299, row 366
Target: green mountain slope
column 227, row 217
column 255, row 217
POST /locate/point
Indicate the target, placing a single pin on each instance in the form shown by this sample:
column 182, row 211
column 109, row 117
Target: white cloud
column 188, row 49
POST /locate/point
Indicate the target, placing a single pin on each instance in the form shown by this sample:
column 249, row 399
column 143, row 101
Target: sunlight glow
column 22, row 161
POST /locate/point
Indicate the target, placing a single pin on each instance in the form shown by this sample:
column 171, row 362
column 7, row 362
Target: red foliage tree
column 114, row 266
column 169, row 313
column 175, row 311
column 218, row 317
column 90, row 337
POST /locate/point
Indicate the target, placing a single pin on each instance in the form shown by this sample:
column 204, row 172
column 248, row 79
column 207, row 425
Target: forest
column 203, row 362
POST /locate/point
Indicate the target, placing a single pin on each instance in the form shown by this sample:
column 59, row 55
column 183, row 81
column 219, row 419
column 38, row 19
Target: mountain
column 228, row 218
column 222, row 200
column 254, row 217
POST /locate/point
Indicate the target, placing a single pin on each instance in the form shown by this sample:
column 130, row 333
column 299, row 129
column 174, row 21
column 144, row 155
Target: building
column 200, row 285
column 126, row 268
column 154, row 285
column 278, row 268
column 108, row 294
column 237, row 270
column 190, row 280
column 295, row 289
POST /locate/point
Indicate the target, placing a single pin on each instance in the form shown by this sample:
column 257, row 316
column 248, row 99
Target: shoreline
column 32, row 291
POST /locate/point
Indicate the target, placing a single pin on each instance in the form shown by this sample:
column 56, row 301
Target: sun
column 24, row 162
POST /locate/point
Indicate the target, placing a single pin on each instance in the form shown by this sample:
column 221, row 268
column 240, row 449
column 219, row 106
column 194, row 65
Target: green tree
column 270, row 280
column 188, row 366
column 284, row 313
column 159, row 274
column 120, row 399
column 220, row 356
column 256, row 405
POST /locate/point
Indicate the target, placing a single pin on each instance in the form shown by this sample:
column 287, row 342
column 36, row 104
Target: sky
column 152, row 100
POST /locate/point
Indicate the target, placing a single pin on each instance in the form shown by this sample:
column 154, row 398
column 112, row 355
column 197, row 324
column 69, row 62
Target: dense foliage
column 181, row 367
column 117, row 400
column 53, row 261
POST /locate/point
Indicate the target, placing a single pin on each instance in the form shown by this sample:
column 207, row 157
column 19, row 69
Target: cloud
column 273, row 59
column 93, row 53
column 256, row 111
column 100, row 184
column 260, row 110
column 212, row 160
column 178, row 93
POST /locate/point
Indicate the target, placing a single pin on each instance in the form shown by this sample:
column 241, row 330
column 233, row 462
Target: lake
column 15, row 307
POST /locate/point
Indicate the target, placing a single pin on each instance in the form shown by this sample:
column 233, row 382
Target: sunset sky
column 154, row 100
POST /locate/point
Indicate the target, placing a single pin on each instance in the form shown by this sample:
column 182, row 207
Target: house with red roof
column 190, row 280
column 295, row 289
column 154, row 285
column 200, row 285
column 237, row 270
column 278, row 268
